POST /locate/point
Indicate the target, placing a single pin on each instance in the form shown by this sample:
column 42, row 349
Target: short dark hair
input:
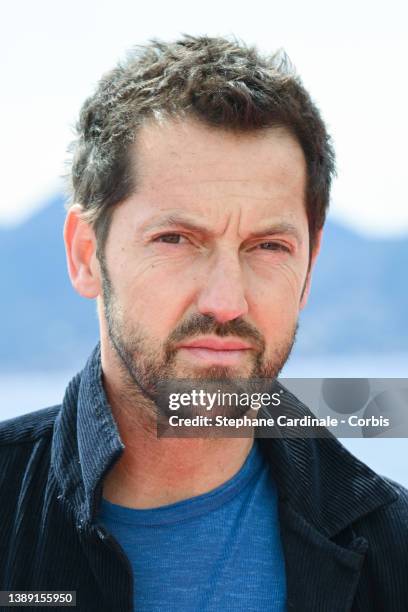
column 222, row 83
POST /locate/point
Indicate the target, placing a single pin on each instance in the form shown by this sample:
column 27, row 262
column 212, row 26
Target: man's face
column 212, row 249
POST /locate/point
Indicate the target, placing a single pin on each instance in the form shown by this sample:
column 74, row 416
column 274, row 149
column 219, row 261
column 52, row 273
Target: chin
column 218, row 372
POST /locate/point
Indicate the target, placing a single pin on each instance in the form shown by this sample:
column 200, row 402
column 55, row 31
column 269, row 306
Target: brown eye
column 169, row 238
column 274, row 246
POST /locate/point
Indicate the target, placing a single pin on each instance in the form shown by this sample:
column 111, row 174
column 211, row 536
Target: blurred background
column 352, row 58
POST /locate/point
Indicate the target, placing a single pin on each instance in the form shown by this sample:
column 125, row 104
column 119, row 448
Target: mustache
column 199, row 324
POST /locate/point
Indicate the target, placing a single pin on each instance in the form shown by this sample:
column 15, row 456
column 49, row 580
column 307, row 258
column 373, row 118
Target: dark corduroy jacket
column 344, row 529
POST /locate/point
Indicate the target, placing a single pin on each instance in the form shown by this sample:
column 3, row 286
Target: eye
column 169, row 238
column 274, row 246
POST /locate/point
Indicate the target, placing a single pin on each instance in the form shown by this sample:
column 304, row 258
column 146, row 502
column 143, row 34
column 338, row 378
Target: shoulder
column 23, row 437
column 25, row 459
column 25, row 453
column 28, row 427
column 386, row 530
column 395, row 515
column 396, row 512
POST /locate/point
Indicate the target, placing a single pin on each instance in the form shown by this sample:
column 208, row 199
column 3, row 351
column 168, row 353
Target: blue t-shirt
column 214, row 552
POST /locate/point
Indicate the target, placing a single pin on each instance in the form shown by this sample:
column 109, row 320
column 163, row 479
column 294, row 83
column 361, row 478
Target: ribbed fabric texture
column 344, row 529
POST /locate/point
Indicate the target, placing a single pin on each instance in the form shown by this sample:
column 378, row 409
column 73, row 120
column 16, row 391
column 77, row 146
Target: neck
column 153, row 471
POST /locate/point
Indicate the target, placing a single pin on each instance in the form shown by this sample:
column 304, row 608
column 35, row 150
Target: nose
column 223, row 295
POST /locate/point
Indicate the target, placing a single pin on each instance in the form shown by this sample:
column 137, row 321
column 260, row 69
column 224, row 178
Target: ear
column 80, row 247
column 316, row 250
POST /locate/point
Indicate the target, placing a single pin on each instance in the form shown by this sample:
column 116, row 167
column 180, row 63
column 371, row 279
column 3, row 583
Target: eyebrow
column 173, row 220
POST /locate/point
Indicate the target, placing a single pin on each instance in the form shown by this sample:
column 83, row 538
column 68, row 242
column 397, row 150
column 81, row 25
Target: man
column 200, row 183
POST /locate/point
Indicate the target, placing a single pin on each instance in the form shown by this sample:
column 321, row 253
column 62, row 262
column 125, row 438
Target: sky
column 351, row 55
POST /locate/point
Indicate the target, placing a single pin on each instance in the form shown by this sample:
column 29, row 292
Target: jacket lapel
column 320, row 575
column 323, row 489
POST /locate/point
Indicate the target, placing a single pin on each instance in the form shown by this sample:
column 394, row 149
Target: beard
column 149, row 373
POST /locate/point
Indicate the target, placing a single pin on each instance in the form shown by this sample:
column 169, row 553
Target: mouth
column 218, row 351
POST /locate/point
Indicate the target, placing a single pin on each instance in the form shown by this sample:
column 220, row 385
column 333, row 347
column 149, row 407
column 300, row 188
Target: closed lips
column 217, row 345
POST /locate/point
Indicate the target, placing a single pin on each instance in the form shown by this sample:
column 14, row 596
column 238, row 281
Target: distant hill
column 43, row 322
column 359, row 296
column 358, row 303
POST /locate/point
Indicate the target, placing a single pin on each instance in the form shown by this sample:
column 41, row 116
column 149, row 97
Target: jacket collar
column 317, row 478
column 86, row 441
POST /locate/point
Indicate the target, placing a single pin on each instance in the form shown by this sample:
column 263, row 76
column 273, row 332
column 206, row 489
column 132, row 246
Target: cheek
column 274, row 306
column 278, row 294
column 154, row 298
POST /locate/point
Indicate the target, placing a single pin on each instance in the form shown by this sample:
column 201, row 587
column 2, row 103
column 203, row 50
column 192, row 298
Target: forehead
column 185, row 164
column 175, row 146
